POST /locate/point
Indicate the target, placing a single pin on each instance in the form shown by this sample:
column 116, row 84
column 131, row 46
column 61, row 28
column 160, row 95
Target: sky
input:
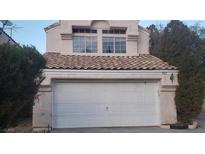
column 32, row 31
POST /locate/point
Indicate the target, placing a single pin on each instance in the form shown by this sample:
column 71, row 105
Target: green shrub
column 189, row 98
column 20, row 67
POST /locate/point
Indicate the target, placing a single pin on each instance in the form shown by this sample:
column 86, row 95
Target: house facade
column 99, row 73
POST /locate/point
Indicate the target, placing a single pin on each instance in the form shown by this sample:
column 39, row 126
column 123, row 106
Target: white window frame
column 85, row 35
column 114, row 36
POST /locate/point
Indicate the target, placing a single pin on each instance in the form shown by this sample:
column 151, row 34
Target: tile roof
column 141, row 62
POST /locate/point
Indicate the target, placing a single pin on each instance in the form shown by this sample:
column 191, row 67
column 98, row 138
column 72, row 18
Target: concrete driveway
column 127, row 130
column 201, row 129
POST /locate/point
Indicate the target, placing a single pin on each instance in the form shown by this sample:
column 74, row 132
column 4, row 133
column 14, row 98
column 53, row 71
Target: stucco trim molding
column 66, row 36
column 107, row 74
column 132, row 38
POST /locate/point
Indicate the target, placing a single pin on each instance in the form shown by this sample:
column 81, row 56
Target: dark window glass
column 114, row 31
column 84, row 30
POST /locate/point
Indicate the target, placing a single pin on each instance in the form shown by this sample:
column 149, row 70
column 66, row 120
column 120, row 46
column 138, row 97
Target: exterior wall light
column 172, row 77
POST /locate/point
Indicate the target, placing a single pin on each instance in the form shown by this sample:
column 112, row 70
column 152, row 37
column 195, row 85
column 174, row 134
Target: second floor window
column 114, row 45
column 85, row 44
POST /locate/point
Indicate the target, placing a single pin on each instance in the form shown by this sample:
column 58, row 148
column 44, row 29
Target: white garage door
column 105, row 104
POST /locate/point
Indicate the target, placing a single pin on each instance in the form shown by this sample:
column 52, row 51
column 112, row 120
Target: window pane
column 78, row 44
column 120, row 45
column 83, row 44
column 91, row 44
column 108, row 44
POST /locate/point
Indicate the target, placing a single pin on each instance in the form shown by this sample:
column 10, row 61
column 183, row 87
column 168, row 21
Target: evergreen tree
column 183, row 48
column 20, row 68
column 155, row 40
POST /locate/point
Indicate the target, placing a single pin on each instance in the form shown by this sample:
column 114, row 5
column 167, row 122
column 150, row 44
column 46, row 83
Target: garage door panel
column 115, row 121
column 129, row 111
column 74, row 108
column 128, row 121
column 77, row 121
column 97, row 108
column 105, row 104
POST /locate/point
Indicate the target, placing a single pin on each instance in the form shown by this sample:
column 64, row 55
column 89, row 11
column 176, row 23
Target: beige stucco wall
column 137, row 38
column 168, row 108
column 53, row 40
column 42, row 111
column 143, row 42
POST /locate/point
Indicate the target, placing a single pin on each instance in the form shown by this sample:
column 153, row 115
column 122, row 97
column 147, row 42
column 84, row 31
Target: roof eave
column 52, row 26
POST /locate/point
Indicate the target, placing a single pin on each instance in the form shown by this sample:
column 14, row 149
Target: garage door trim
column 106, row 81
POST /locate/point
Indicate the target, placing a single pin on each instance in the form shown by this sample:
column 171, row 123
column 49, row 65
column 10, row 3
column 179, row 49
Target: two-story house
column 99, row 73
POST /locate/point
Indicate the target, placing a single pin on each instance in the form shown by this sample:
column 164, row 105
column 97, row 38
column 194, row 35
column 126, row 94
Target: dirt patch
column 24, row 126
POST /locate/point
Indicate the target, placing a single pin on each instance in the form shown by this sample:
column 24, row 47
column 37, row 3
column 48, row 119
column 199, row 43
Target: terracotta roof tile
column 141, row 62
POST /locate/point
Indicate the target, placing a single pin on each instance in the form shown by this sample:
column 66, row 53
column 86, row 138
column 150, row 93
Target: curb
column 194, row 125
